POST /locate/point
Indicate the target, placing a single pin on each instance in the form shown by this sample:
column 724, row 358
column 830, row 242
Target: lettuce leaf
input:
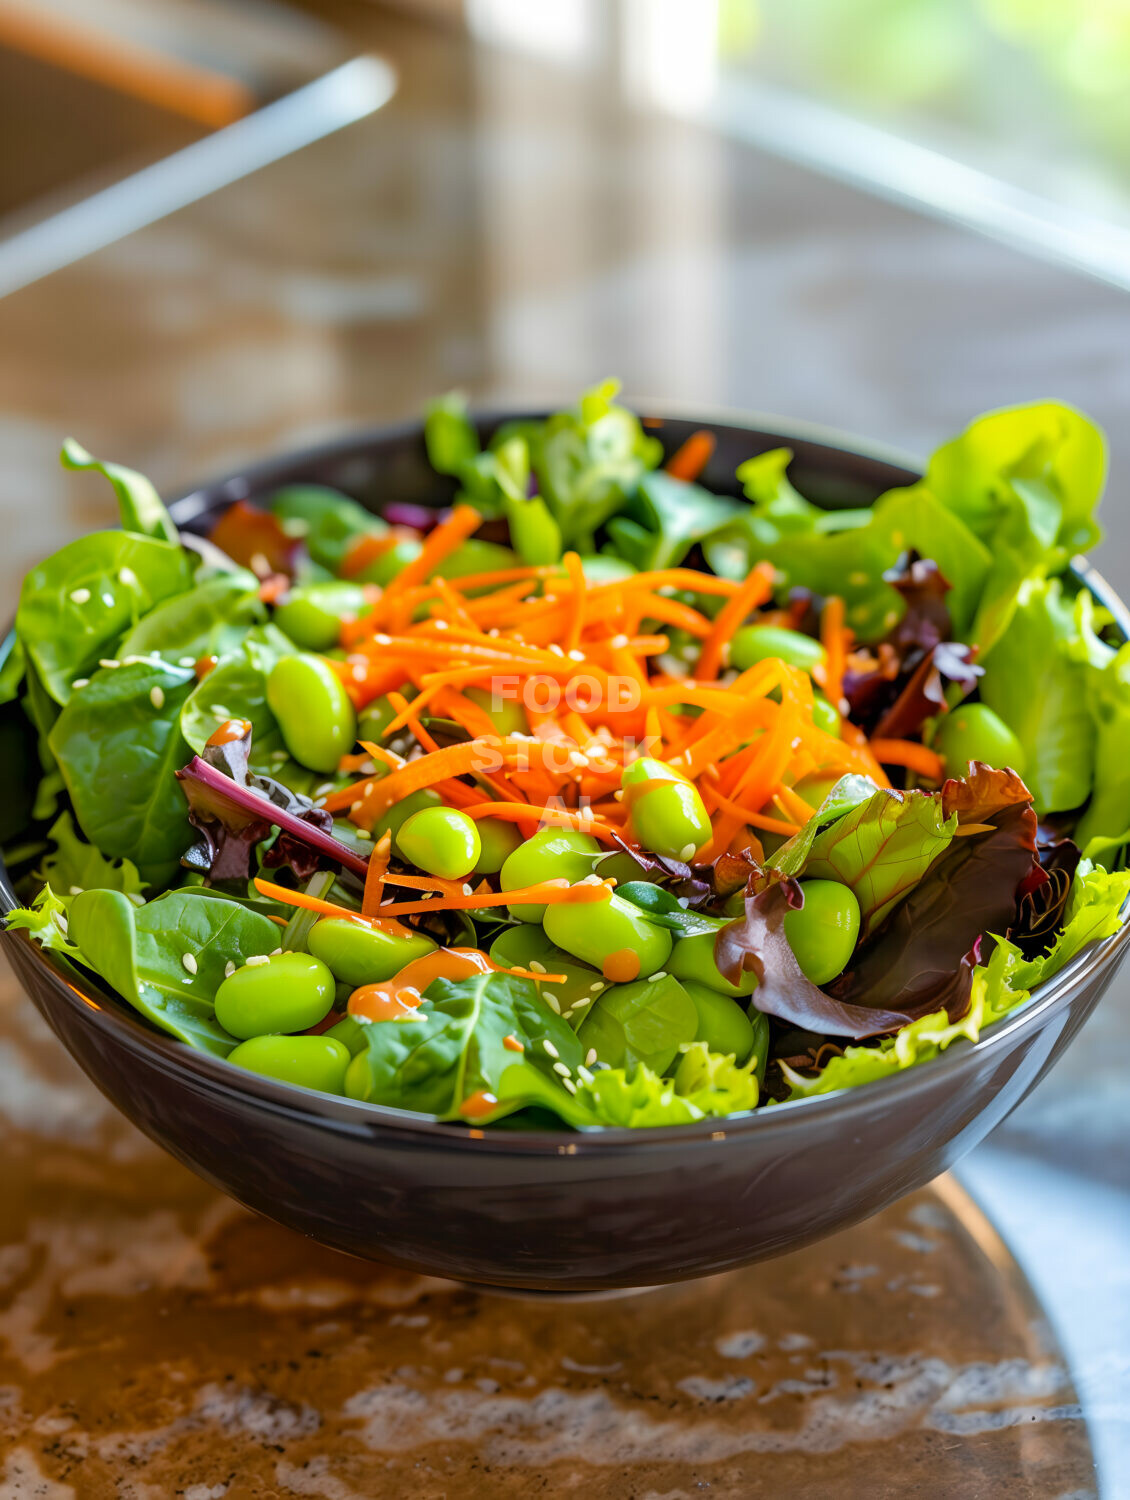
column 1036, row 683
column 705, row 1084
column 880, row 848
column 74, row 866
column 1005, row 982
column 46, row 920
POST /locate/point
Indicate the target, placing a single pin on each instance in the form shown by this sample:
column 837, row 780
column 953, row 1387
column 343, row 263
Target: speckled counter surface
column 156, row 1340
column 518, row 233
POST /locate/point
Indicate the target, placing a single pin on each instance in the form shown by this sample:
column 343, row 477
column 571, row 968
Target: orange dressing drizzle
column 478, row 1105
column 395, row 999
column 622, row 966
column 230, row 731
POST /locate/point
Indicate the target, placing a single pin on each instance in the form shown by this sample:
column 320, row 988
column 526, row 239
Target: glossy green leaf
column 73, row 865
column 76, row 606
column 118, row 743
column 142, row 509
column 209, row 620
column 141, row 952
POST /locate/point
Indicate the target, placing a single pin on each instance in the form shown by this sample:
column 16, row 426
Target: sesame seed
column 229, row 969
column 189, row 962
column 186, row 661
column 494, row 633
column 157, row 697
column 686, row 852
column 571, row 1086
column 550, row 1048
column 326, row 786
column 576, row 655
column 559, row 1067
column 595, row 989
column 80, row 596
column 618, row 641
column 358, row 672
column 259, row 565
column 537, row 966
column 618, row 796
column 552, row 1001
column 556, row 649
column 80, row 682
column 127, row 576
column 256, row 960
column 659, row 974
column 590, row 1057
column 441, row 625
column 76, row 890
column 383, row 640
column 362, row 833
column 584, row 1075
column 108, row 661
column 468, row 890
column 275, row 952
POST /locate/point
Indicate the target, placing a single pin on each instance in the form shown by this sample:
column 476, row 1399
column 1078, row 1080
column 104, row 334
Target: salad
column 596, row 799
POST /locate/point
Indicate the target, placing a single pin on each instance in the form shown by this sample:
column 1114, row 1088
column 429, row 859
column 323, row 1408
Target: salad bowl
column 546, row 1210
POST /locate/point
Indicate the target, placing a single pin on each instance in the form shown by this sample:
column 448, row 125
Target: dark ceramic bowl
column 555, row 1211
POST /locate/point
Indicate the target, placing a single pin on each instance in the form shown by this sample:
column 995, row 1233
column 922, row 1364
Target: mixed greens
column 595, row 799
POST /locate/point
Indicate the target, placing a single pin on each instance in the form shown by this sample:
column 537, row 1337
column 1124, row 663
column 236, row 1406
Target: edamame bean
column 397, row 815
column 440, row 841
column 646, row 769
column 312, row 614
column 972, row 731
column 722, row 1023
column 356, row 953
column 824, row 716
column 693, row 958
column 667, row 814
column 643, row 1022
column 350, row 1033
column 614, row 936
column 388, row 563
column 754, row 643
column 314, row 1062
column 476, row 556
column 290, row 992
column 506, row 714
column 313, row 711
column 497, row 840
column 822, row 933
column 552, row 854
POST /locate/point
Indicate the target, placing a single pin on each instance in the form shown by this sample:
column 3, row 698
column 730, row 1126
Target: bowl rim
column 111, row 1014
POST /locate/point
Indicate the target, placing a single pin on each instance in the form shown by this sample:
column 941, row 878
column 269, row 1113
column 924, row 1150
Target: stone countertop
column 520, row 233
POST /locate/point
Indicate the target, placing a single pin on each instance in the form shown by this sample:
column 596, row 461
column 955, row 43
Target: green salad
column 591, row 795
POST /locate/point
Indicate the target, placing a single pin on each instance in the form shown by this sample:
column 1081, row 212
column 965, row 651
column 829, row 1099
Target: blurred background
column 232, row 226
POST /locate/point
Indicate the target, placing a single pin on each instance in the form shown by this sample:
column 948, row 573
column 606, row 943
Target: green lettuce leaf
column 46, row 920
column 881, row 848
column 663, row 517
column 705, row 1084
column 1035, row 682
column 142, row 509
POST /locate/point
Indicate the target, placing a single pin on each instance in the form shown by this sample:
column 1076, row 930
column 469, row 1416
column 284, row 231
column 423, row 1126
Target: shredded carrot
column 548, row 892
column 689, row 461
column 366, row 549
column 926, row 763
column 310, row 903
column 441, row 542
column 757, row 587
column 791, row 804
column 375, row 875
column 572, row 632
column 836, row 639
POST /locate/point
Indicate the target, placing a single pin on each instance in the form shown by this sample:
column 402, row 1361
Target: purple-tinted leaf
column 233, row 818
column 757, row 943
column 914, row 960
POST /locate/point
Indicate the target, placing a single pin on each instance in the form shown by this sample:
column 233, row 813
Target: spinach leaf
column 141, row 507
column 12, row 673
column 118, row 743
column 451, row 440
column 74, row 866
column 209, row 620
column 455, row 1049
column 664, row 517
column 140, row 952
column 1038, row 687
column 75, row 606
column 646, row 1022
